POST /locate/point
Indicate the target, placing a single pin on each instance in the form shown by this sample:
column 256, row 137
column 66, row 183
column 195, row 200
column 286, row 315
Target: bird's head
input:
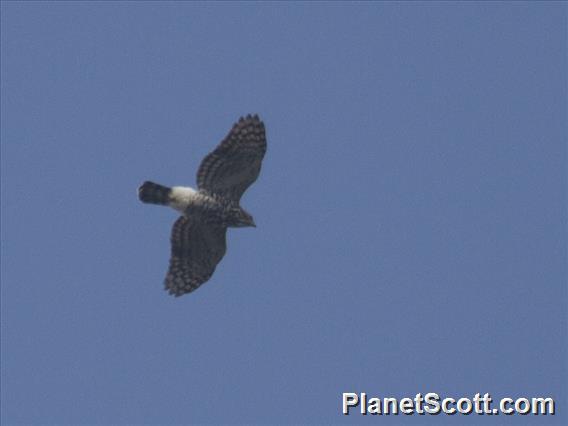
column 243, row 219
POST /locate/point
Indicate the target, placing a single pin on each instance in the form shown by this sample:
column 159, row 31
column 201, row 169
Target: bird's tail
column 152, row 193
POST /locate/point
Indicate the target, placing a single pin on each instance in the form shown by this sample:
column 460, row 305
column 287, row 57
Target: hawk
column 198, row 238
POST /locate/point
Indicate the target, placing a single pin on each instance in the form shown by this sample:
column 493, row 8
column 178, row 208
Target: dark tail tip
column 153, row 193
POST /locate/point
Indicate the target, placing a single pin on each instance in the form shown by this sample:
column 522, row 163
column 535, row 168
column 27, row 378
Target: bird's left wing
column 235, row 164
column 197, row 248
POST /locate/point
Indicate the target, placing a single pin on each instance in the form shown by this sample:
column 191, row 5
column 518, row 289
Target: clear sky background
column 411, row 209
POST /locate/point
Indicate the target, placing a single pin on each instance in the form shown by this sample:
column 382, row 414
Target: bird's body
column 198, row 236
column 186, row 199
column 198, row 205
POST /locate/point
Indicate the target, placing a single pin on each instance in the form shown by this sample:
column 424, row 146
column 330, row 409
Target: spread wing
column 197, row 248
column 235, row 164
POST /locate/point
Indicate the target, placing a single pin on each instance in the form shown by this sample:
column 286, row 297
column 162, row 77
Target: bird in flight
column 198, row 238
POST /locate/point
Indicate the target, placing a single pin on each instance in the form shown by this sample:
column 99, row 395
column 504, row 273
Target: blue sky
column 411, row 209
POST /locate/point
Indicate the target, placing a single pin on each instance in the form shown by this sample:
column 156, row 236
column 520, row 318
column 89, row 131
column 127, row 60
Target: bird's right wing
column 235, row 164
column 197, row 248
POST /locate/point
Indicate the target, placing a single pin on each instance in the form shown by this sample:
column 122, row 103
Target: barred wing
column 197, row 248
column 235, row 164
